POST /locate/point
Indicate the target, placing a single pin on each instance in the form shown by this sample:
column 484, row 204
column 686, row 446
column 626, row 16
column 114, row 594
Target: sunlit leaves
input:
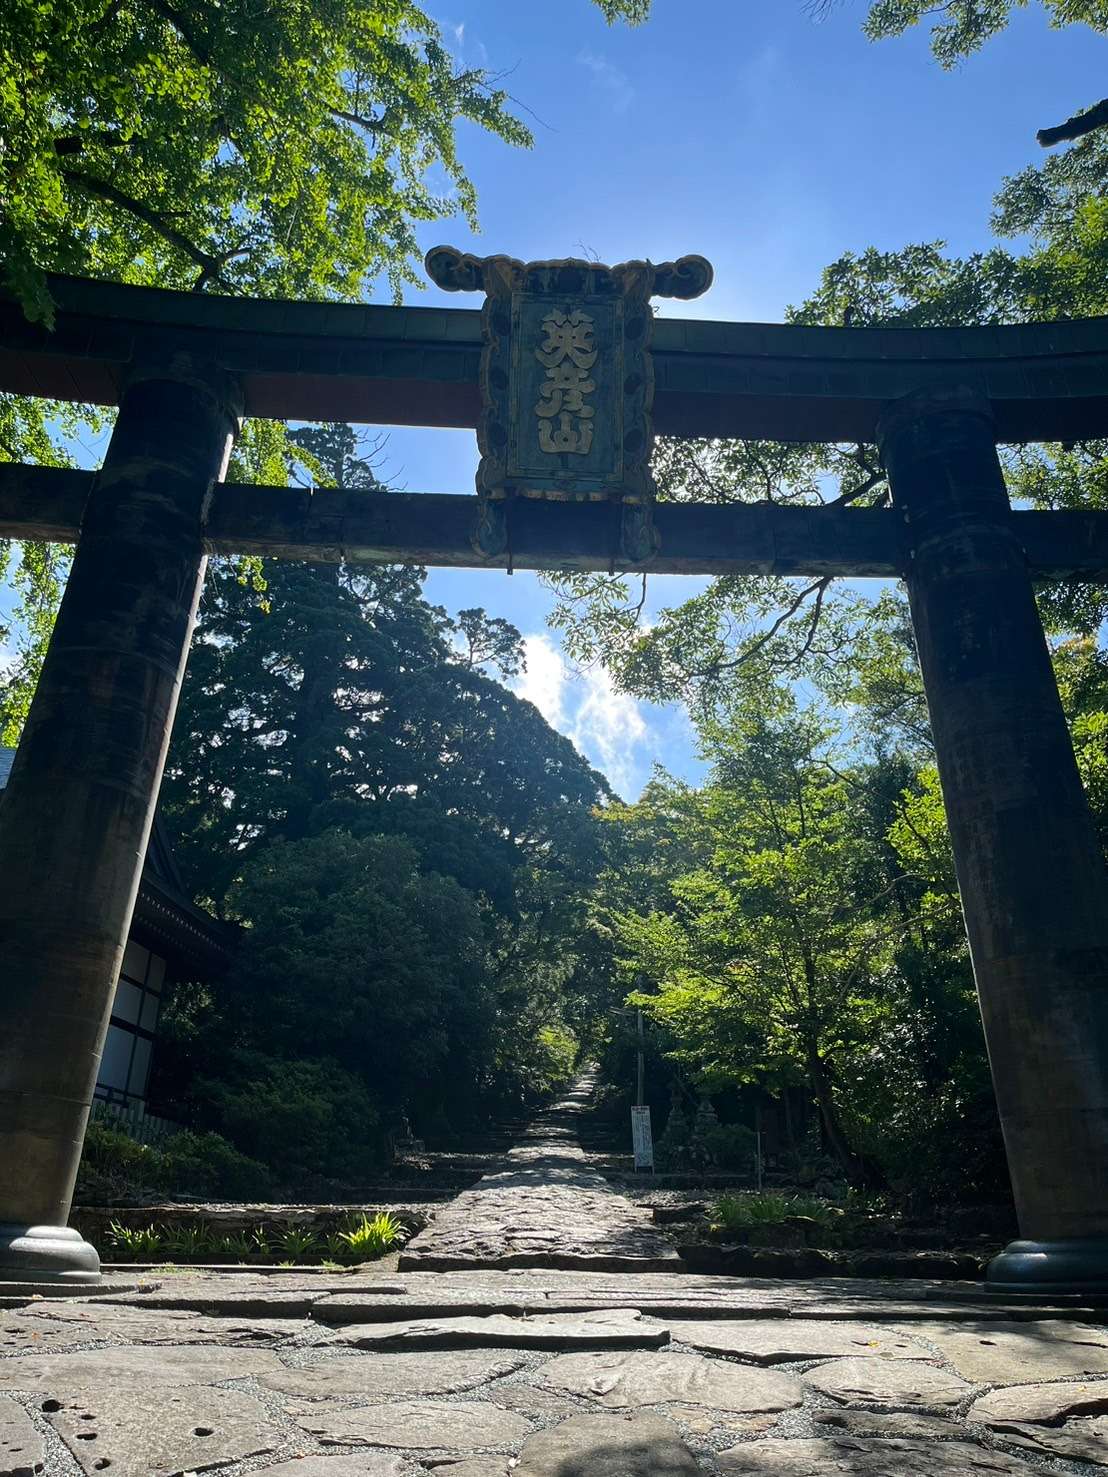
column 958, row 27
column 287, row 148
column 633, row 11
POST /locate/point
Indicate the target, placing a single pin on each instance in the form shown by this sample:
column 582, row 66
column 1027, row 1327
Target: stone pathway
column 548, row 1371
column 546, row 1208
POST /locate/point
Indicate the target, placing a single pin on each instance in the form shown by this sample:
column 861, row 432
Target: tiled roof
column 6, row 757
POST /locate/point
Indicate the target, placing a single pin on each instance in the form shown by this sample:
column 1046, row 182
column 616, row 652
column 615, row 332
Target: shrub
column 305, row 1118
column 731, row 1146
column 115, row 1167
column 206, row 1164
column 134, row 1244
column 362, row 1240
column 370, row 1238
column 741, row 1212
column 673, row 1147
column 705, row 1143
column 298, row 1243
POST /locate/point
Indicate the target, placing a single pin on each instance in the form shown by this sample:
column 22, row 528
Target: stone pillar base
column 47, row 1254
column 1066, row 1267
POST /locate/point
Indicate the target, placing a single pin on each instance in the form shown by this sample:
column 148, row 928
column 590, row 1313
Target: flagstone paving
column 546, row 1208
column 21, row 1447
column 548, row 1370
column 606, row 1329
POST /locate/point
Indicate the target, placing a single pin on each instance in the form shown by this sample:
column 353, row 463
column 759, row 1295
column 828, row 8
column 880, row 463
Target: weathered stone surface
column 143, row 1432
column 883, row 1458
column 26, row 1332
column 1078, row 1440
column 369, row 1376
column 21, row 1449
column 910, row 1425
column 547, row 1208
column 700, row 1420
column 781, row 1340
column 991, row 1353
column 1042, row 1404
column 368, row 1294
column 627, row 1380
column 167, row 1325
column 232, row 1295
column 533, row 1402
column 473, row 1301
column 475, row 1466
column 621, row 1329
column 360, row 1464
column 893, row 1382
column 1035, row 1417
column 90, row 1368
column 419, row 1425
column 476, row 1292
column 608, row 1446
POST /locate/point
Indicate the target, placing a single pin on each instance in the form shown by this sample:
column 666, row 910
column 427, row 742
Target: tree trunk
column 860, row 1170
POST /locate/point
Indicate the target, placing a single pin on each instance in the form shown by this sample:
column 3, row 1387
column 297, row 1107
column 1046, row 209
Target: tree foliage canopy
column 961, row 27
column 281, row 149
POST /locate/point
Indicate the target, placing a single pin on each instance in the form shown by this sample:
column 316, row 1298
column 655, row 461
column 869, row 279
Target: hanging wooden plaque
column 567, row 383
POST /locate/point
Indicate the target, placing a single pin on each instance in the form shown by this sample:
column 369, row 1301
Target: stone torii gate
column 184, row 368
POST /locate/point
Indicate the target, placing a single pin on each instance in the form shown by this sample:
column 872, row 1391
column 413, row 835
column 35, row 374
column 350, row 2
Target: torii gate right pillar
column 1031, row 873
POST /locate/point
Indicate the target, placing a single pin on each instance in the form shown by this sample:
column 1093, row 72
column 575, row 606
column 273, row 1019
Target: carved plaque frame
column 582, row 430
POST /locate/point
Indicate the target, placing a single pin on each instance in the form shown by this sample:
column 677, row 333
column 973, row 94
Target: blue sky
column 752, row 135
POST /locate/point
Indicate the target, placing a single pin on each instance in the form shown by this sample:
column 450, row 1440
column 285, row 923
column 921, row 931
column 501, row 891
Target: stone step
column 605, row 1329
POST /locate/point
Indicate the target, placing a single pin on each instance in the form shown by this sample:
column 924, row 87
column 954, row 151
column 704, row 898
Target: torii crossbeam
column 183, row 369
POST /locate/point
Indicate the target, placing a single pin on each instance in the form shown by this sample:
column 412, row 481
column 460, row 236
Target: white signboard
column 642, row 1139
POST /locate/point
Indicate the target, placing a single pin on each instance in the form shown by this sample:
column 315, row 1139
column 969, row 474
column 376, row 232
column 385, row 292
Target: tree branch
column 1075, row 127
column 371, row 125
column 187, row 34
column 860, row 491
column 817, row 610
column 76, row 143
column 210, row 265
column 817, row 588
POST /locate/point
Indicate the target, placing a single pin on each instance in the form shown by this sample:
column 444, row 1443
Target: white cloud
column 476, row 51
column 609, row 78
column 545, row 680
column 607, row 726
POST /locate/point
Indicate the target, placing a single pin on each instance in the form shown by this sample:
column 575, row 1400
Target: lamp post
column 642, row 1142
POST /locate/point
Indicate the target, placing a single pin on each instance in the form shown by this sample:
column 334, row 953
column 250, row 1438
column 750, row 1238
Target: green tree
column 285, row 152
column 769, row 958
column 361, row 990
column 798, row 921
column 364, row 725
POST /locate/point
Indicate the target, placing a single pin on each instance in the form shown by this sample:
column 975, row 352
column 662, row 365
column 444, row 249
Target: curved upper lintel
column 419, row 366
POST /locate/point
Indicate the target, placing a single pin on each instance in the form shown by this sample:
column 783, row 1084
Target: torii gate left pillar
column 85, row 782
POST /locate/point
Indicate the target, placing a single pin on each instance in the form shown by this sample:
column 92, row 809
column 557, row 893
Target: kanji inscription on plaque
column 567, row 353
